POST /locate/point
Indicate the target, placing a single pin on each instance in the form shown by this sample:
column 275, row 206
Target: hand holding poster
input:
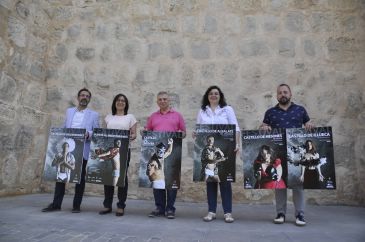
column 108, row 157
column 160, row 164
column 64, row 155
column 264, row 159
column 214, row 156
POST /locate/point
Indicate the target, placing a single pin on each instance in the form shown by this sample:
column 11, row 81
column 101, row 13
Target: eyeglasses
column 84, row 95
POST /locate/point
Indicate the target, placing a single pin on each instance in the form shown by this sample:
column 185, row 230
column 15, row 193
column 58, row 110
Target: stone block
column 62, row 13
column 22, row 10
column 227, row 47
column 8, row 4
column 9, row 170
column 3, row 50
column 232, row 24
column 286, row 47
column 187, row 75
column 129, row 52
column 165, row 76
column 309, row 47
column 146, row 27
column 322, row 22
column 85, row 54
column 295, row 22
column 7, row 113
column 250, row 24
column 74, row 31
column 210, row 24
column 32, row 117
column 167, row 25
column 200, row 49
column 252, row 48
column 189, row 24
column 230, row 73
column 176, row 49
column 341, row 48
column 208, row 71
column 271, row 23
column 8, row 88
column 155, row 50
column 174, row 100
column 17, row 31
column 121, row 29
column 32, row 95
column 38, row 71
column 61, row 52
column 24, row 138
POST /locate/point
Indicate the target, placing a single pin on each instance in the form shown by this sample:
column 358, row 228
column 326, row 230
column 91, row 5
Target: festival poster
column 214, row 156
column 264, row 159
column 64, row 155
column 160, row 163
column 310, row 158
column 108, row 157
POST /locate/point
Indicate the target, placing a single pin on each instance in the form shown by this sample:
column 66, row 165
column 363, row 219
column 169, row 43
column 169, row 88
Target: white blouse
column 220, row 115
column 124, row 122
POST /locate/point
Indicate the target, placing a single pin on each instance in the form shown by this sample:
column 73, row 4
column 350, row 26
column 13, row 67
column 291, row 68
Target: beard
column 83, row 102
column 284, row 100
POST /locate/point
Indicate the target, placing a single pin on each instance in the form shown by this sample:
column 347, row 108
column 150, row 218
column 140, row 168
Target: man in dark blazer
column 77, row 117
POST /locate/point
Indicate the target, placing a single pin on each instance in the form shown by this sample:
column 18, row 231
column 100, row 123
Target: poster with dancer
column 264, row 159
column 310, row 158
column 214, row 156
column 160, row 163
column 64, row 155
column 107, row 163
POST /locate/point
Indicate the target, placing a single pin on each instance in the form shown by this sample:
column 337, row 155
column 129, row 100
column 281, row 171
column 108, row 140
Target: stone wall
column 50, row 49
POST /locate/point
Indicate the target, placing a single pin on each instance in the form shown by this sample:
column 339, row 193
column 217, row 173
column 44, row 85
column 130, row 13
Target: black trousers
column 60, row 187
column 122, row 191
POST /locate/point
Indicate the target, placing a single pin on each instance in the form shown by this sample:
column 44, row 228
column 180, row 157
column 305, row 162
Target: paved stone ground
column 21, row 219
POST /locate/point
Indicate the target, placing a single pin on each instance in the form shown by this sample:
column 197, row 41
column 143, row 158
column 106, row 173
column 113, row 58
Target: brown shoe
column 105, row 211
column 120, row 212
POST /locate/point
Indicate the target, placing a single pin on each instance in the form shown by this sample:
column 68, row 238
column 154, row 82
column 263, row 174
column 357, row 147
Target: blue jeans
column 226, row 195
column 160, row 199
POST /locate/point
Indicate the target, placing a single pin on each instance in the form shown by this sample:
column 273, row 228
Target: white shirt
column 78, row 119
column 124, row 122
column 220, row 115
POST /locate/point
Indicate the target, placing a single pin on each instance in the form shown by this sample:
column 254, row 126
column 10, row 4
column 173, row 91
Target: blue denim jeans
column 226, row 195
column 163, row 204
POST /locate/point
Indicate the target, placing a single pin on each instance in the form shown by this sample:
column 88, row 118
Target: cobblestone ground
column 21, row 219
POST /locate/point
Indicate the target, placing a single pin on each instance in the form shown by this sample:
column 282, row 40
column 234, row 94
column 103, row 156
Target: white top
column 124, row 122
column 220, row 115
column 78, row 119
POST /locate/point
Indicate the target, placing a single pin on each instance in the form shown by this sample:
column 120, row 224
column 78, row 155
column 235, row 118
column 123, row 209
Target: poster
column 160, row 163
column 107, row 163
column 264, row 159
column 310, row 158
column 64, row 155
column 214, row 156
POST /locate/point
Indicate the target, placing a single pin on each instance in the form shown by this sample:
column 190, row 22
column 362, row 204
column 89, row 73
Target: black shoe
column 51, row 208
column 76, row 210
column 156, row 213
column 105, row 211
column 119, row 212
column 170, row 214
column 280, row 219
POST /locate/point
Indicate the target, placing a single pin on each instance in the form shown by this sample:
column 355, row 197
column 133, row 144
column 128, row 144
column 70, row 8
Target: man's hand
column 265, row 127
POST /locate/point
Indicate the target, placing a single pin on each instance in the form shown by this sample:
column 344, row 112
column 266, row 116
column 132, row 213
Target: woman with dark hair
column 311, row 172
column 268, row 170
column 214, row 110
column 119, row 119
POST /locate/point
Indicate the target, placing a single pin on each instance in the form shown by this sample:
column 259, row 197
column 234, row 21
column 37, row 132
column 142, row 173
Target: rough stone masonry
column 50, row 49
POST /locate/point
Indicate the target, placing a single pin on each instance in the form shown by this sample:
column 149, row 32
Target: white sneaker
column 210, row 216
column 280, row 219
column 300, row 220
column 228, row 218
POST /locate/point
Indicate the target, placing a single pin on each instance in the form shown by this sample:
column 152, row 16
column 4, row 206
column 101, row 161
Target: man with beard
column 82, row 118
column 287, row 114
